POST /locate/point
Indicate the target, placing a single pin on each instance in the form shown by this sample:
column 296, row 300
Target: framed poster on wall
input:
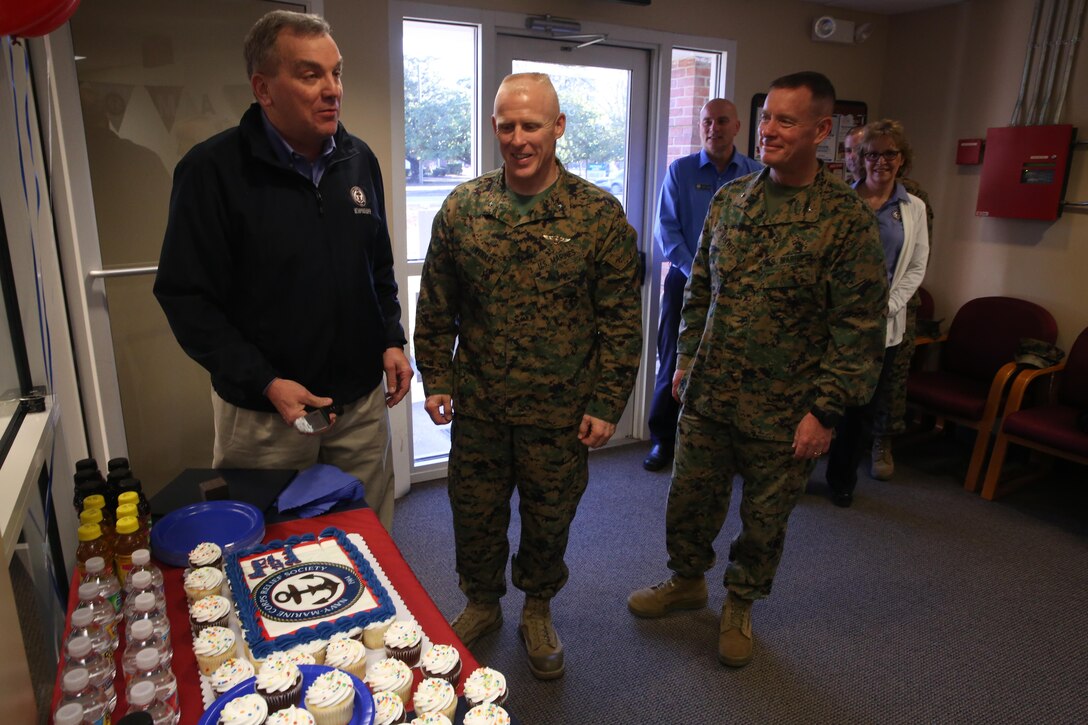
column 847, row 116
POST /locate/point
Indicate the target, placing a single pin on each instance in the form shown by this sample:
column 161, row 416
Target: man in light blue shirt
column 685, row 198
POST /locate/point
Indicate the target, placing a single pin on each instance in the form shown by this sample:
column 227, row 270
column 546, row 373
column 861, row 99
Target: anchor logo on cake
column 309, row 591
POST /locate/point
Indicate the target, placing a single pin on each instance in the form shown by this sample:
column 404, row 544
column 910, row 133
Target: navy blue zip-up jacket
column 264, row 275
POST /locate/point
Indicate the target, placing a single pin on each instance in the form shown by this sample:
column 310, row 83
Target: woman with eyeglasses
column 901, row 217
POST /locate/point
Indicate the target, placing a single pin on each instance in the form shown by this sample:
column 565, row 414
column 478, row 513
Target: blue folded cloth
column 317, row 489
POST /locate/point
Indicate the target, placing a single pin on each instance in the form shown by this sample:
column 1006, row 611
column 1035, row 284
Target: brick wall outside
column 690, row 89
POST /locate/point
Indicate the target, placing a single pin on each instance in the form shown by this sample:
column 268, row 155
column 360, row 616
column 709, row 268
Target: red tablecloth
column 360, row 521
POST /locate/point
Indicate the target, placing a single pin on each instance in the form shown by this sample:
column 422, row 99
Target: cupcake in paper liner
column 244, row 710
column 280, row 687
column 348, row 655
column 373, row 634
column 203, row 582
column 442, row 661
column 434, row 695
column 389, row 709
column 230, row 673
column 485, row 685
column 392, row 675
column 432, row 718
column 213, row 646
column 314, row 649
column 404, row 641
column 213, row 611
column 487, row 714
column 206, row 554
column 291, row 716
column 330, row 698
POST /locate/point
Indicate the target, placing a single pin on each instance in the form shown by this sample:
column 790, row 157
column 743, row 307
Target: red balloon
column 48, row 24
column 31, row 18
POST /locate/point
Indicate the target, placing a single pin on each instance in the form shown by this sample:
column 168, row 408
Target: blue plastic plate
column 231, row 524
column 364, row 701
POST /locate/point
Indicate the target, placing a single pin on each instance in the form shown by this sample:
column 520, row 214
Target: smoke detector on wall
column 826, row 29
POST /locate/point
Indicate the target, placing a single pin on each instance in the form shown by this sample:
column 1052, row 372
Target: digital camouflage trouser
column 890, row 405
column 549, row 468
column 708, row 454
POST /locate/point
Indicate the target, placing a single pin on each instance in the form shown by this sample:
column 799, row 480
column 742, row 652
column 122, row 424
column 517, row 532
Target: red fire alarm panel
column 1025, row 171
column 969, row 151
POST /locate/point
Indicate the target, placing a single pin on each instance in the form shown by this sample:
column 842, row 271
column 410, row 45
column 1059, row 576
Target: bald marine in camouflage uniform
column 782, row 327
column 529, row 327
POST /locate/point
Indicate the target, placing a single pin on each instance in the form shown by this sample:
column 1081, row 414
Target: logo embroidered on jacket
column 359, row 197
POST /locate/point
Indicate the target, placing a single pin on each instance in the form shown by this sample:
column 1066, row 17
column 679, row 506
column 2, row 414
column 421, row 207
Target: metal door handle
column 122, row 272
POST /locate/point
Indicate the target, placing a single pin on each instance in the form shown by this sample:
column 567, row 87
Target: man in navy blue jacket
column 276, row 272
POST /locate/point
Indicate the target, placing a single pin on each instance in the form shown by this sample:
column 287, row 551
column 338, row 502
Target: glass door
column 604, row 92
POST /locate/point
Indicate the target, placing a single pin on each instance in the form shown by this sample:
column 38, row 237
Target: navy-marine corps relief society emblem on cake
column 304, row 588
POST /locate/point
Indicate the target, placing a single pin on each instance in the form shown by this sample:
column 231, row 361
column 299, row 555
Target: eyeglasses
column 888, row 156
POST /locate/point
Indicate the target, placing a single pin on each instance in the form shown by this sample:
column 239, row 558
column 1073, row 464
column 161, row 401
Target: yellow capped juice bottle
column 129, row 539
column 129, row 509
column 94, row 516
column 91, row 543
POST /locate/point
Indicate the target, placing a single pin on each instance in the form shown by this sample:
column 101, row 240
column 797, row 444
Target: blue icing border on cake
column 247, row 610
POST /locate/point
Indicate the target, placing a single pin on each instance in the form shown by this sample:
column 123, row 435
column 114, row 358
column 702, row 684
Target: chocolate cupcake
column 442, row 661
column 389, row 709
column 280, row 686
column 206, row 554
column 403, row 641
column 213, row 611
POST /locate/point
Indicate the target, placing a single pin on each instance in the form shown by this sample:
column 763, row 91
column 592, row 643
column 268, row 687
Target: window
column 441, row 149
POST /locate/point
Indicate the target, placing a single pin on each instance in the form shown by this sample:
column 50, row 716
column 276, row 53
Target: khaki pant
column 359, row 443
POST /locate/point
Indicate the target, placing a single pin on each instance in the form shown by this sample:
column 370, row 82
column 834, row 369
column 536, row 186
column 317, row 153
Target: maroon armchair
column 975, row 366
column 1055, row 427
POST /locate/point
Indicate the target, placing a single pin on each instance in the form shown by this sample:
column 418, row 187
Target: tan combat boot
column 674, row 593
column 476, row 620
column 735, row 632
column 542, row 644
column 883, row 466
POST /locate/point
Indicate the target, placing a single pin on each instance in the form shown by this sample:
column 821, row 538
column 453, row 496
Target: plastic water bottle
column 103, row 577
column 70, row 714
column 90, row 598
column 140, row 582
column 147, row 608
column 142, row 699
column 149, row 668
column 141, row 636
column 101, row 671
column 84, row 625
column 141, row 561
column 78, row 689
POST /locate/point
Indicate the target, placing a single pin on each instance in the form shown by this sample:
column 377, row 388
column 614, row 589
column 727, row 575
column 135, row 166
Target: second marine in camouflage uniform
column 783, row 326
column 784, row 313
column 546, row 313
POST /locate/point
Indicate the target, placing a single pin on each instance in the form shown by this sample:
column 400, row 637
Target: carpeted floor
column 921, row 604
